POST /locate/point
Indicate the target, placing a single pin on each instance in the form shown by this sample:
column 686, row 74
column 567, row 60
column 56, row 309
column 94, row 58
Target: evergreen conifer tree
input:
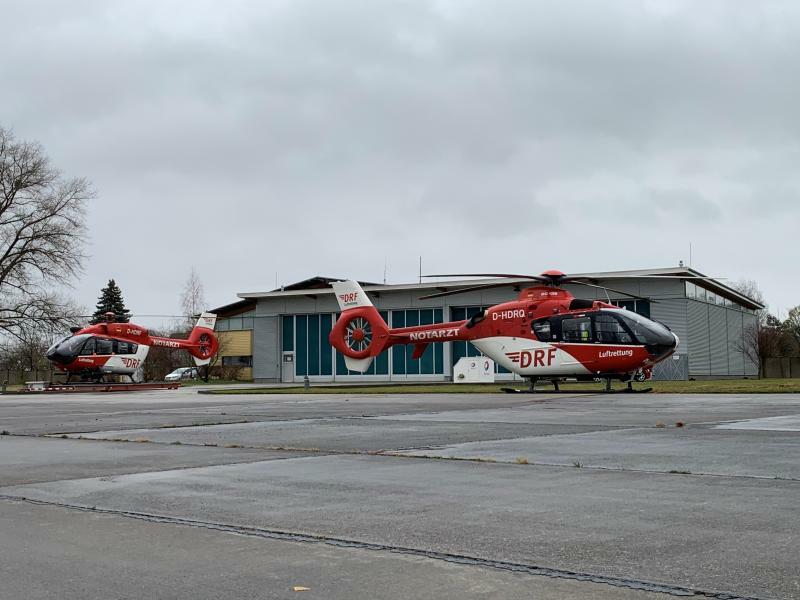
column 110, row 300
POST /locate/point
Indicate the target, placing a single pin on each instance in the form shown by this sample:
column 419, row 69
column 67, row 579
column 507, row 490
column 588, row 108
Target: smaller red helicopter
column 112, row 348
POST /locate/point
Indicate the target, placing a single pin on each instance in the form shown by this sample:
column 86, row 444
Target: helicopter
column 91, row 353
column 545, row 333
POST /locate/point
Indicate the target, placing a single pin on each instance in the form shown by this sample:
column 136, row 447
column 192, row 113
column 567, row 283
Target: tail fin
column 360, row 334
column 204, row 344
column 350, row 295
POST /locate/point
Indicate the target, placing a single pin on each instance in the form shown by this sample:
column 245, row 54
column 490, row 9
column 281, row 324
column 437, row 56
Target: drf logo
column 349, row 298
column 537, row 358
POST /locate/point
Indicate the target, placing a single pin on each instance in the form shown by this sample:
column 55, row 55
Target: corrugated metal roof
column 711, row 284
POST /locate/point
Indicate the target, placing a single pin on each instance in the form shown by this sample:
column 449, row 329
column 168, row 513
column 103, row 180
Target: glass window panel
column 576, row 329
column 301, row 345
column 711, row 297
column 341, row 368
column 222, row 325
column 247, row 322
column 412, row 366
column 691, row 290
column 542, row 330
column 104, row 346
column 88, row 348
column 608, row 330
column 381, row 362
column 643, row 308
column 237, row 361
column 313, row 344
column 398, row 360
column 325, row 349
column 398, row 352
column 426, row 360
column 701, row 294
column 288, row 333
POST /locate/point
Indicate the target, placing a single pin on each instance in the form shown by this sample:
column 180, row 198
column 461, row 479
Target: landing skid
column 556, row 390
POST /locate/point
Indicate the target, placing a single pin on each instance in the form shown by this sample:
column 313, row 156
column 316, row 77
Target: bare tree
column 766, row 338
column 762, row 341
column 193, row 299
column 749, row 288
column 42, row 235
column 792, row 327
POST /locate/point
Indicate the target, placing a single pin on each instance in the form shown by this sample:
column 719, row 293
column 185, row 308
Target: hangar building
column 282, row 335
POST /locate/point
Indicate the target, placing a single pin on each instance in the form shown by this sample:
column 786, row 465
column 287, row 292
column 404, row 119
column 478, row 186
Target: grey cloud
column 304, row 137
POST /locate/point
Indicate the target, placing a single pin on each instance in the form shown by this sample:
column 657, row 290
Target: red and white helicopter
column 545, row 333
column 113, row 348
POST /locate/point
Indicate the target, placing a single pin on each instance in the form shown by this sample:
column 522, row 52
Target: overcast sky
column 333, row 136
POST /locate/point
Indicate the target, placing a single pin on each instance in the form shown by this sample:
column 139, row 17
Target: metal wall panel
column 735, row 356
column 675, row 368
column 266, row 344
column 718, row 340
column 697, row 338
column 672, row 313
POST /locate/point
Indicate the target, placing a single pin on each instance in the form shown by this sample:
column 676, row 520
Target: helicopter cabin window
column 104, row 346
column 543, row 331
column 88, row 348
column 125, row 347
column 608, row 330
column 576, row 329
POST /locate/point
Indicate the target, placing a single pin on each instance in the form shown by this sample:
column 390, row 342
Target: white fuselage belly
column 126, row 364
column 528, row 357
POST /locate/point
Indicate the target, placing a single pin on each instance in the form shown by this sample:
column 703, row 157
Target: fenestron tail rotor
column 358, row 334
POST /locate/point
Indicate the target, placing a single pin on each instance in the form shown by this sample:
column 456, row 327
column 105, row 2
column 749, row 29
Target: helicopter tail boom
column 361, row 334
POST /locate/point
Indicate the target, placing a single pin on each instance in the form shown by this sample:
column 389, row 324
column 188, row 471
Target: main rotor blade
column 471, row 288
column 652, row 277
column 608, row 289
column 504, row 275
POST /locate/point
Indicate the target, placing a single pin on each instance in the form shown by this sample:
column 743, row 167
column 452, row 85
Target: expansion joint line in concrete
column 460, row 559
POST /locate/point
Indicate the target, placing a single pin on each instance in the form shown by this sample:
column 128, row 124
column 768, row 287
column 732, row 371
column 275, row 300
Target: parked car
column 183, row 373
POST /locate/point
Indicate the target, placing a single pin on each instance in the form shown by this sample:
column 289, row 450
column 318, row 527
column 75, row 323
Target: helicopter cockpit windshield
column 67, row 350
column 647, row 332
column 607, row 326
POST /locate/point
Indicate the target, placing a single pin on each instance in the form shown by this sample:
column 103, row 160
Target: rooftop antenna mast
column 385, row 268
column 420, row 269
